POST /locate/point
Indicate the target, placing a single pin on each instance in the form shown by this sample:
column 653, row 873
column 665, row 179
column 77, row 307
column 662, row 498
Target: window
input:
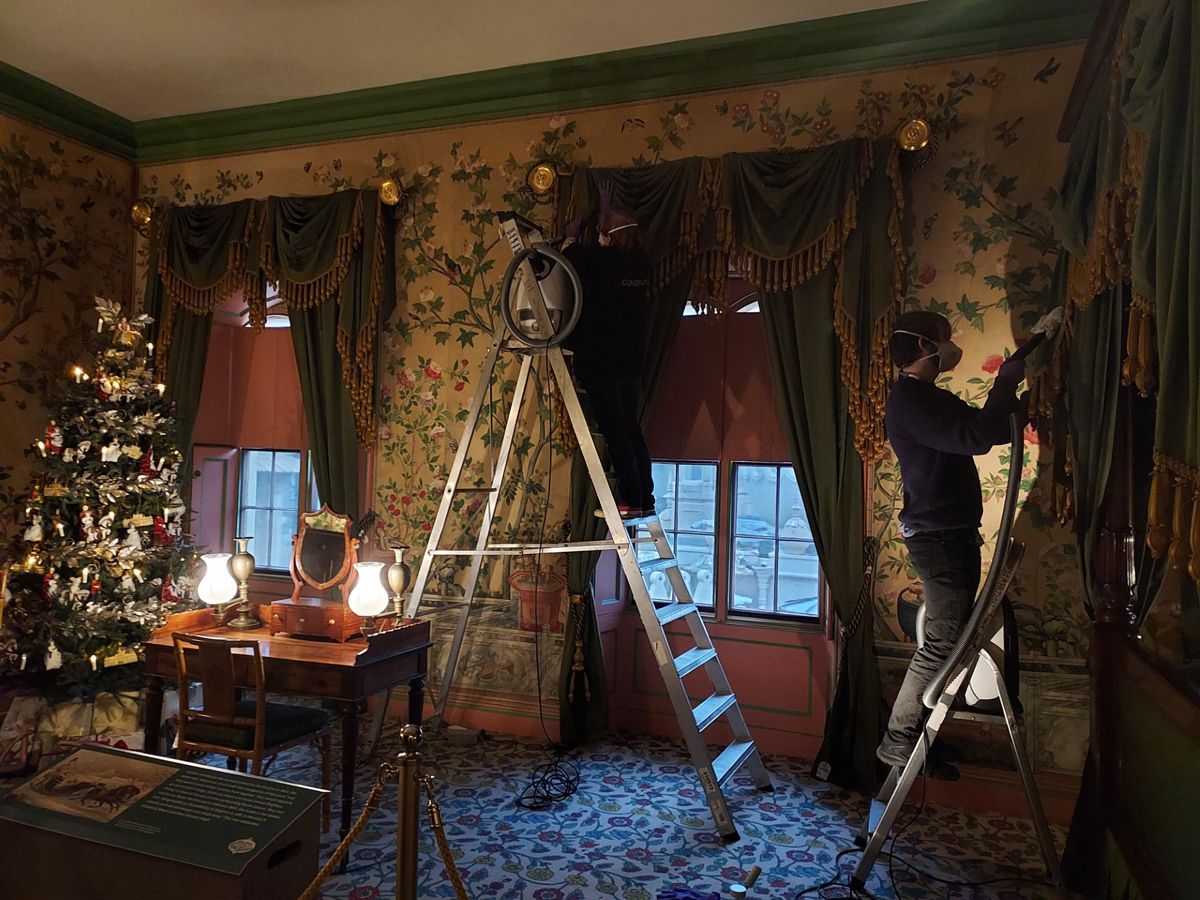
column 269, row 504
column 773, row 560
column 685, row 495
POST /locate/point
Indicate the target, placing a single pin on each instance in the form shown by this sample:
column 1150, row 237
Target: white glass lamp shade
column 369, row 597
column 218, row 584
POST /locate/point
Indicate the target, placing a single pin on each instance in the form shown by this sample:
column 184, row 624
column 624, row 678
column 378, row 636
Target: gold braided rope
column 369, row 808
column 439, row 833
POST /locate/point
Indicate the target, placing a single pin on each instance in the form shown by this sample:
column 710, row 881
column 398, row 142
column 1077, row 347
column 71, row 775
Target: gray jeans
column 947, row 563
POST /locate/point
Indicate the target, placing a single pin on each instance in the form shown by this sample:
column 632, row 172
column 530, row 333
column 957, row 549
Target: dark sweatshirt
column 935, row 435
column 609, row 341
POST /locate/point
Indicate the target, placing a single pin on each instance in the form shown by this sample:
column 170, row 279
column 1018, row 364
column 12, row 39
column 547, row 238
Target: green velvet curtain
column 817, row 300
column 198, row 258
column 332, row 257
column 1163, row 105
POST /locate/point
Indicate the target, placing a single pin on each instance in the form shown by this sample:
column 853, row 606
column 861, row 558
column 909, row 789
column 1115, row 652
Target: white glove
column 1049, row 323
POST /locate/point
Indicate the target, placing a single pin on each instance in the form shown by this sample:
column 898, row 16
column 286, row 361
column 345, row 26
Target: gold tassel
column 1194, row 563
column 1158, row 535
column 1131, row 368
column 1180, row 551
column 1147, row 352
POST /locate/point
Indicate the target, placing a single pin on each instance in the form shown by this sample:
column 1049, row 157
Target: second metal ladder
column 714, row 770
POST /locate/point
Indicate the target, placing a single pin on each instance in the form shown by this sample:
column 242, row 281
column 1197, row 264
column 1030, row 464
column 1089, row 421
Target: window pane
column 696, row 497
column 283, row 526
column 753, row 575
column 286, row 484
column 696, row 554
column 664, row 492
column 256, row 524
column 798, row 578
column 755, row 500
column 256, row 477
column 793, row 520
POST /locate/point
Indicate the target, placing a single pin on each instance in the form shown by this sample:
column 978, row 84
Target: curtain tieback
column 864, row 597
column 577, row 668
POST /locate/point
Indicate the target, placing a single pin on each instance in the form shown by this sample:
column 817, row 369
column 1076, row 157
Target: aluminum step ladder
column 714, row 771
column 946, row 698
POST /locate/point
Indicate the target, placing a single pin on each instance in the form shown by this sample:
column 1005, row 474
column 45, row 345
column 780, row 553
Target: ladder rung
column 731, row 759
column 438, row 606
column 641, row 520
column 693, row 659
column 712, row 708
column 673, row 611
column 533, row 549
column 474, row 490
column 657, row 565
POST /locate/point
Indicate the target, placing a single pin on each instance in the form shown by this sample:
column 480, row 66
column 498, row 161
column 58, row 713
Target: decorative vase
column 399, row 577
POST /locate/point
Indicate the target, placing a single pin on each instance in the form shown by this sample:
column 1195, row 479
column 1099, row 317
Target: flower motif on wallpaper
column 672, row 124
column 780, row 123
column 227, row 183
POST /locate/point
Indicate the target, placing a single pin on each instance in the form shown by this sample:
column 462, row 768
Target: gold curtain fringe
column 708, row 284
column 358, row 352
column 1174, row 515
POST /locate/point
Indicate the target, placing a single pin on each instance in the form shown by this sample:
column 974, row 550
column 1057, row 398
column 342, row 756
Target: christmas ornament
column 110, row 453
column 54, row 438
column 33, row 533
column 87, row 522
column 53, row 659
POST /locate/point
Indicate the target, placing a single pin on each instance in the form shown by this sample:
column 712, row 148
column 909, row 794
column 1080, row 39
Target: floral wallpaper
column 982, row 253
column 65, row 237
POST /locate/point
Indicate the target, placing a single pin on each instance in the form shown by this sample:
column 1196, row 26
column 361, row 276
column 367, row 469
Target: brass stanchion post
column 408, row 825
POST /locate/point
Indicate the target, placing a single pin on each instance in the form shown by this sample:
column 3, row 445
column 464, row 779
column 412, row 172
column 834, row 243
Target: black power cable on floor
column 557, row 779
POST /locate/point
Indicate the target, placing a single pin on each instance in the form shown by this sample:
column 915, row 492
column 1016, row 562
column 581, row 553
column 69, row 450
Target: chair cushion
column 284, row 723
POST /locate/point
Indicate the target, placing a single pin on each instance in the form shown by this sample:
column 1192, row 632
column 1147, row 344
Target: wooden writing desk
column 347, row 673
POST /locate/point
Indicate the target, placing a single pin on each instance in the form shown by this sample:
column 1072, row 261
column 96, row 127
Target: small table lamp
column 218, row 586
column 369, row 598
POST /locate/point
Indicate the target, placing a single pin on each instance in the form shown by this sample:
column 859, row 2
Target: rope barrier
column 439, row 833
column 386, row 771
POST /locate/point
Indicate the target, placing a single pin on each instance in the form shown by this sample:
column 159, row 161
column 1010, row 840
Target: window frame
column 306, row 483
column 774, row 614
column 715, row 534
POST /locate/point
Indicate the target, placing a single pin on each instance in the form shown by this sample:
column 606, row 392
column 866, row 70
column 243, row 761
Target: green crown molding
column 41, row 103
column 866, row 41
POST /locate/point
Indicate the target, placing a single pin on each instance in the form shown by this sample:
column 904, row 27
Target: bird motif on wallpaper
column 631, row 123
column 722, row 107
column 1047, row 70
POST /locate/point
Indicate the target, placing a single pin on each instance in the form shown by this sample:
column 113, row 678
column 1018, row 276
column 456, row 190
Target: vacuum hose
column 532, row 254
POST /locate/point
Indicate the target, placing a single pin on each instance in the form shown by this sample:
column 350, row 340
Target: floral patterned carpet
column 638, row 825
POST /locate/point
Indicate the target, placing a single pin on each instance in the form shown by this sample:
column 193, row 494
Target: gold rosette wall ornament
column 913, row 135
column 390, row 193
column 541, row 178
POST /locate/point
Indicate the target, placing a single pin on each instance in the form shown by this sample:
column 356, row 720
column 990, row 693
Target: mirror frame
column 300, row 578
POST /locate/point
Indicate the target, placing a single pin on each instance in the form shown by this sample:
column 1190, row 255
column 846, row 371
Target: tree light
column 78, row 375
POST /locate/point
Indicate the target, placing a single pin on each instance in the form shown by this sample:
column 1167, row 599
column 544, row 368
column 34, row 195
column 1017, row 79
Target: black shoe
column 895, row 754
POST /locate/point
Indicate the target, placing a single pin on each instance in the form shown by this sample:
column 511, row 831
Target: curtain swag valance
column 331, row 248
column 777, row 219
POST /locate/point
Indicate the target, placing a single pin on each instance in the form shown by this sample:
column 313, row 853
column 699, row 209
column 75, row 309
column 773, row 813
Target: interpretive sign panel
column 183, row 814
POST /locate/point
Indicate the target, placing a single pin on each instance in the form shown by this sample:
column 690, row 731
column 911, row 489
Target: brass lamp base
column 245, row 619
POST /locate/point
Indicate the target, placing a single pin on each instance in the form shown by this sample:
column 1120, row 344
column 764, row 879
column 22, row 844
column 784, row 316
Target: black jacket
column 609, row 341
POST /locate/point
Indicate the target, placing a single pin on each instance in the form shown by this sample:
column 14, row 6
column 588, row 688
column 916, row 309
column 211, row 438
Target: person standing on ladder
column 610, row 338
column 935, row 435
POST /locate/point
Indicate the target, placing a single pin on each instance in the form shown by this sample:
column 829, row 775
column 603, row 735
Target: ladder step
column 641, row 520
column 657, row 565
column 475, row 490
column 712, row 708
column 673, row 611
column 731, row 759
column 693, row 659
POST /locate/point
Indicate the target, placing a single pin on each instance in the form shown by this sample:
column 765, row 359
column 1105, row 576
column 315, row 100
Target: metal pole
column 408, row 822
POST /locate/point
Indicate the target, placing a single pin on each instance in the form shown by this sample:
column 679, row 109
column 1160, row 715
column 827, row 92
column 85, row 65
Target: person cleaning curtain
column 935, row 434
column 609, row 339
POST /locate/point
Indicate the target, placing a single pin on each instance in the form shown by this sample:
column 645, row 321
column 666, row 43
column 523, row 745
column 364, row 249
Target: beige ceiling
column 148, row 58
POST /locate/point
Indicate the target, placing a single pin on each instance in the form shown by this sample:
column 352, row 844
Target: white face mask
column 948, row 353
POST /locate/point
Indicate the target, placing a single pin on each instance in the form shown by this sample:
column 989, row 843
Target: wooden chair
column 249, row 729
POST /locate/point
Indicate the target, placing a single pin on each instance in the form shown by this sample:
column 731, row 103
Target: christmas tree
column 102, row 559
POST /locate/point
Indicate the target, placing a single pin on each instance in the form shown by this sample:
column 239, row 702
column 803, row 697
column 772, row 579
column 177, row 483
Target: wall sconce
column 541, row 178
column 369, row 597
column 243, row 568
